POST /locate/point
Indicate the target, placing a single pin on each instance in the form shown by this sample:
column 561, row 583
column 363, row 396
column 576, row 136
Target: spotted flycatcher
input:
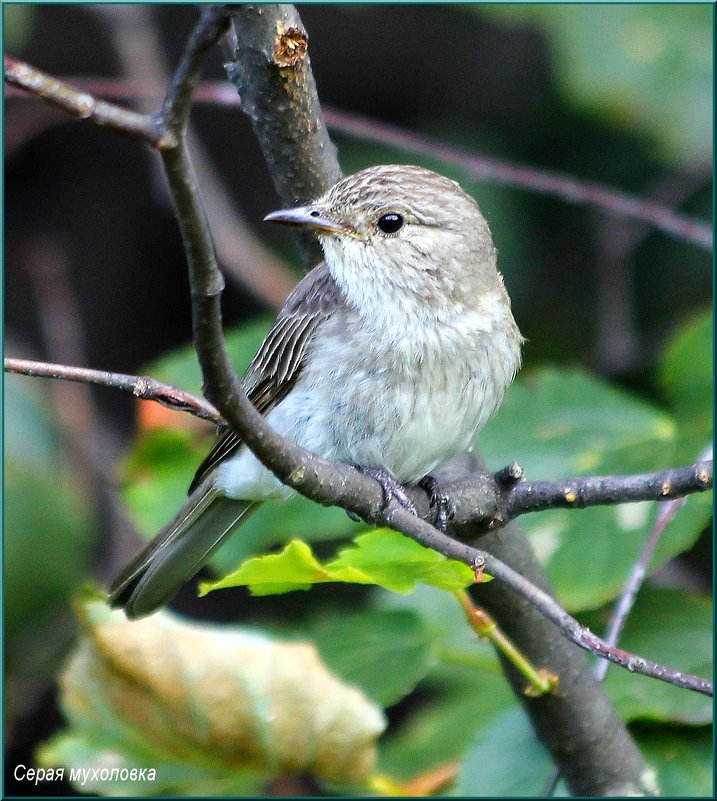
column 389, row 355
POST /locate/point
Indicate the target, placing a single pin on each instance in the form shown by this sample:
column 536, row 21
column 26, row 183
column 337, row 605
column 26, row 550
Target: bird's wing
column 279, row 360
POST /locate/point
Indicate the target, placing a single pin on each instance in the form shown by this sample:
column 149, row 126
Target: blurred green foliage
column 18, row 19
column 48, row 543
column 642, row 66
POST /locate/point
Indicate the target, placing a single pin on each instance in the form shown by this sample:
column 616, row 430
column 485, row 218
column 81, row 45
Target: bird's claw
column 390, row 487
column 443, row 504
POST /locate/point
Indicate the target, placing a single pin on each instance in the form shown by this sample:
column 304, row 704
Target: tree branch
column 480, row 167
column 83, row 105
column 479, row 497
column 270, row 65
column 142, row 387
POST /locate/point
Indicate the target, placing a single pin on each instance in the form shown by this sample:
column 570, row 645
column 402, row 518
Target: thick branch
column 271, row 70
column 478, row 497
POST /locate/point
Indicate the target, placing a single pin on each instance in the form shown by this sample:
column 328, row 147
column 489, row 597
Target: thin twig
column 177, row 101
column 570, row 189
column 543, row 181
column 83, row 105
column 141, row 387
column 626, row 601
column 584, row 491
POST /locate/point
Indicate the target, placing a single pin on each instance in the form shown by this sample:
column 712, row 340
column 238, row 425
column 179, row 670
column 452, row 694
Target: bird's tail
column 177, row 552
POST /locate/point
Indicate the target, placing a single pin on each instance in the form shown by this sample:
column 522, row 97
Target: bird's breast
column 406, row 399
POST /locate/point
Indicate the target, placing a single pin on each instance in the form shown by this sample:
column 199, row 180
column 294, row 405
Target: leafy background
column 614, row 380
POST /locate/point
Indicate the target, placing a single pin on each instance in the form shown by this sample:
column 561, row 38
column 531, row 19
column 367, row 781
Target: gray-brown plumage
column 391, row 354
column 277, row 363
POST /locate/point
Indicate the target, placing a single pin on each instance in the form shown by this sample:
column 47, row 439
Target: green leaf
column 398, row 563
column 157, row 474
column 454, row 704
column 462, row 693
column 295, row 568
column 589, row 553
column 48, row 538
column 559, row 423
column 687, row 377
column 673, row 628
column 381, row 557
column 681, row 757
column 359, row 647
column 508, row 740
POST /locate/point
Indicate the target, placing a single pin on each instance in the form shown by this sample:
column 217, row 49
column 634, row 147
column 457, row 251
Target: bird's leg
column 445, row 508
column 391, row 488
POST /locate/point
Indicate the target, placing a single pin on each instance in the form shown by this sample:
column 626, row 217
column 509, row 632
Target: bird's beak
column 312, row 218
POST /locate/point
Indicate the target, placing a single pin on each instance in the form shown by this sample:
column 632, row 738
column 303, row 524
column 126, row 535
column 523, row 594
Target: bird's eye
column 314, row 213
column 390, row 223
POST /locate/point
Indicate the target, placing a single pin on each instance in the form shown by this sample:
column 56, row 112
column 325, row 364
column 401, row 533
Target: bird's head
column 404, row 233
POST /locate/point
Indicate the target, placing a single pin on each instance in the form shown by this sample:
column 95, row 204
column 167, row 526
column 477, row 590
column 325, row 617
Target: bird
column 389, row 355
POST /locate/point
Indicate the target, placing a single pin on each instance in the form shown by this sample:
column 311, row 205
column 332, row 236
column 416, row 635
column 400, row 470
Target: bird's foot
column 391, row 488
column 443, row 504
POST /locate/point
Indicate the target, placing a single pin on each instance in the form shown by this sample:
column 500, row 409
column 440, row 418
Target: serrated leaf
column 295, row 568
column 381, row 557
column 398, row 563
